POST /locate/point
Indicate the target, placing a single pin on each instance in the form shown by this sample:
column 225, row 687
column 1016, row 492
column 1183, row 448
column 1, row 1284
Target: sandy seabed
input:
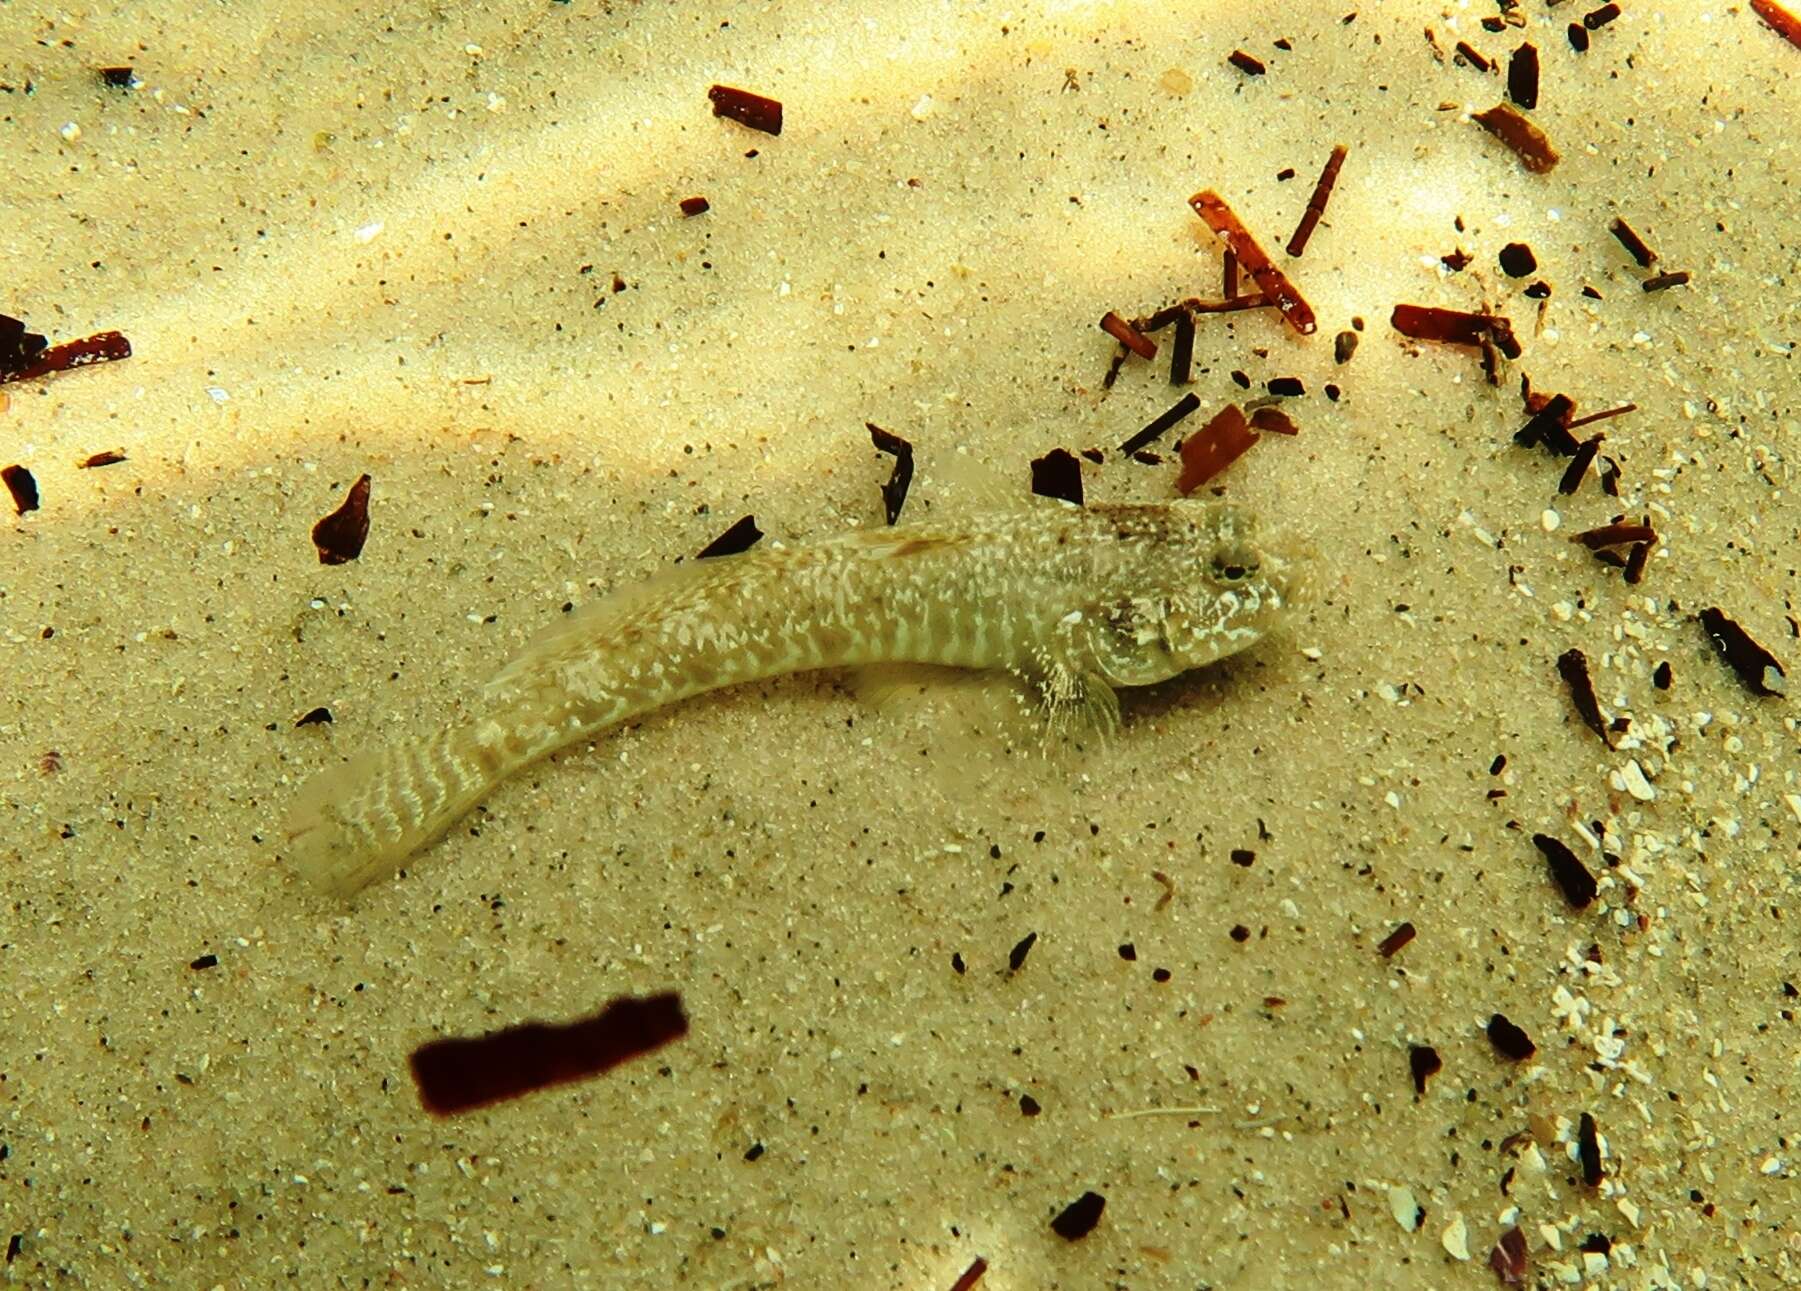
column 442, row 245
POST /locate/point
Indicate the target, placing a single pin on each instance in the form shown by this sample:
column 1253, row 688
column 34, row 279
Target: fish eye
column 1232, row 568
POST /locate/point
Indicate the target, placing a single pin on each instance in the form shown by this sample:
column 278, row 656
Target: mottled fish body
column 1071, row 601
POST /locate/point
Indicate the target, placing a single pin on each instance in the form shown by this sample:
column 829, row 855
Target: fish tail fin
column 358, row 822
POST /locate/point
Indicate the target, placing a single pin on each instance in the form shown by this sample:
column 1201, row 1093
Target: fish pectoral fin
column 1073, row 705
column 956, row 714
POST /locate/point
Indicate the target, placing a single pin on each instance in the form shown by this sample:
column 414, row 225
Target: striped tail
column 358, row 822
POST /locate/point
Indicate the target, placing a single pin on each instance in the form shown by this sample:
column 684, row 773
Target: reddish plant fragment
column 1588, row 1151
column 1756, row 667
column 1595, row 19
column 1079, row 1217
column 1182, row 408
column 1634, row 244
column 1578, row 468
column 1472, row 56
column 455, row 1075
column 1396, row 939
column 1526, row 140
column 340, row 536
column 1603, row 415
column 1273, row 420
column 1522, row 76
column 1509, row 1040
column 1246, row 63
column 971, row 1275
column 1636, row 560
column 1423, row 1061
column 1213, row 448
column 1664, row 281
column 1127, row 335
column 1316, row 205
column 1181, row 354
column 1058, row 475
column 742, row 536
column 894, row 492
column 111, row 457
column 1508, row 1259
column 692, row 206
column 1782, row 22
column 1549, row 427
column 1212, row 208
column 1572, row 666
column 1618, row 534
column 1455, row 326
column 23, row 356
column 1570, row 874
column 1228, row 274
column 23, row 486
column 746, row 109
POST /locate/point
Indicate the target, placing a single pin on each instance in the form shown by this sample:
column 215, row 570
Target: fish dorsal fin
column 608, row 611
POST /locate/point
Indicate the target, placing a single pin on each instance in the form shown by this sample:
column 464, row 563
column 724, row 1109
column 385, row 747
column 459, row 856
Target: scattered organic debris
column 1212, row 208
column 1572, row 666
column 25, row 355
column 455, row 1075
column 1316, row 205
column 1214, row 447
column 1423, row 1061
column 23, row 486
column 894, row 491
column 1078, row 1219
column 742, row 536
column 1754, row 666
column 1526, row 140
column 1570, row 874
column 340, row 536
column 1392, row 943
column 1781, row 21
column 1127, row 335
column 1182, row 408
column 692, row 206
column 1058, row 475
column 1509, row 1040
column 1522, row 76
column 747, row 109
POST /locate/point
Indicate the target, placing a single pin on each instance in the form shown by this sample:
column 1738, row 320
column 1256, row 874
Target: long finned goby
column 1071, row 601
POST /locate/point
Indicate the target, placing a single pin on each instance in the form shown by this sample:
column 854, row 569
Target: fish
column 1067, row 603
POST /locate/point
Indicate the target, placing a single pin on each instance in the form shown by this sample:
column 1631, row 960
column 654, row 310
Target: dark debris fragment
column 1078, row 1219
column 1567, row 871
column 1392, row 943
column 1214, row 447
column 1058, row 475
column 1016, row 958
column 1508, row 1259
column 1754, row 666
column 742, row 536
column 747, row 109
column 1509, row 1040
column 457, row 1074
column 1423, row 1061
column 1572, row 666
column 340, row 536
column 23, row 486
column 1526, row 140
column 1588, row 1151
column 1183, row 407
column 894, row 492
